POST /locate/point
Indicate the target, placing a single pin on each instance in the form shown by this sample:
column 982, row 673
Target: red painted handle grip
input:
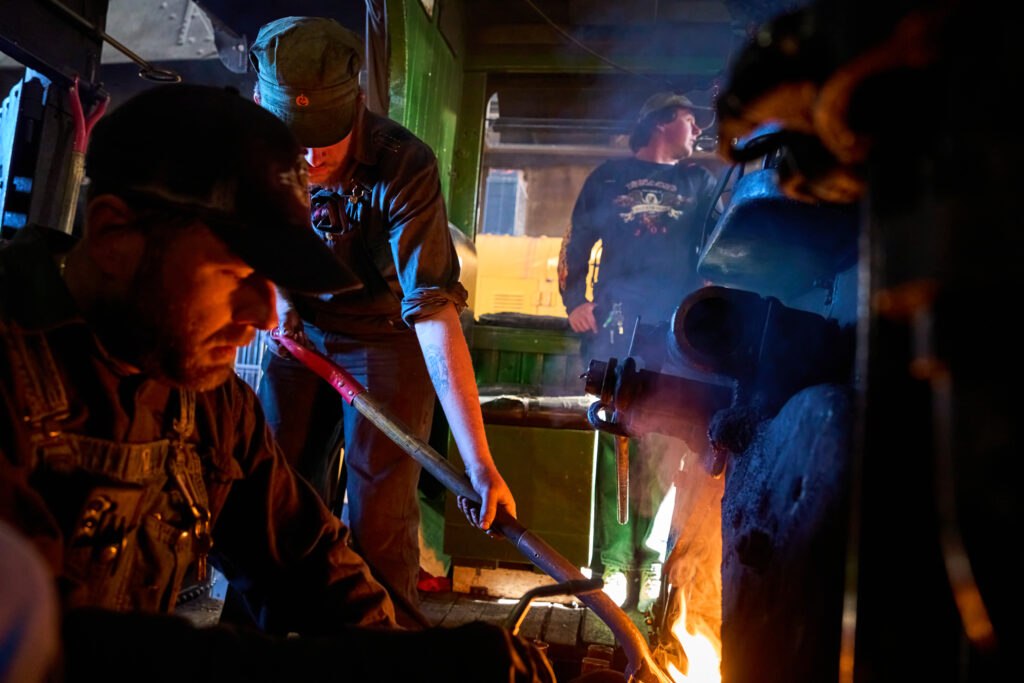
column 337, row 376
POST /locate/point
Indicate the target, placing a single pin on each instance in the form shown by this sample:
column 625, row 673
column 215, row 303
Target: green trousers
column 653, row 461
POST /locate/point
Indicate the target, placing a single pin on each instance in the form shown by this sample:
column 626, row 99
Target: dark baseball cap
column 704, row 116
column 211, row 153
column 308, row 74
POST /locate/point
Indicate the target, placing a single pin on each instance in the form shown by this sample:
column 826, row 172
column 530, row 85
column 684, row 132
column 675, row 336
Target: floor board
column 569, row 630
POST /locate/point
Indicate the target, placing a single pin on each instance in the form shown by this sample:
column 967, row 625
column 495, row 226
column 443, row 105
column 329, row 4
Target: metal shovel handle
column 641, row 663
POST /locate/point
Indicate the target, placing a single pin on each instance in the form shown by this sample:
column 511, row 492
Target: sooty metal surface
column 783, row 540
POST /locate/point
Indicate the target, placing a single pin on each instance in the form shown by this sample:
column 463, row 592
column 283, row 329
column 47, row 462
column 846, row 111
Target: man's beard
column 175, row 356
column 158, row 336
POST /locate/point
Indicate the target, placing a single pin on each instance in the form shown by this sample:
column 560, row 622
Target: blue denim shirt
column 400, row 247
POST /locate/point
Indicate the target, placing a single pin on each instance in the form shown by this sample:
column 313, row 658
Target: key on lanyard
column 614, row 320
column 201, row 528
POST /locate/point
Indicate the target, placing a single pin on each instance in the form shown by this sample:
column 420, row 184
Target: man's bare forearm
column 437, row 366
column 451, row 371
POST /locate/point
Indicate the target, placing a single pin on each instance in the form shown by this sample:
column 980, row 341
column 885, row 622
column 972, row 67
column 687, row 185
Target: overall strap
column 133, row 463
column 187, row 471
column 36, row 378
column 41, row 389
column 186, row 463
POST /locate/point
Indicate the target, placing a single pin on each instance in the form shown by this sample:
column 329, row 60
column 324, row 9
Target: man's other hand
column 289, row 325
column 581, row 319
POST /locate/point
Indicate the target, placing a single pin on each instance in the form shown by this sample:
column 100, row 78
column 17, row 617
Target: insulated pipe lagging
column 641, row 664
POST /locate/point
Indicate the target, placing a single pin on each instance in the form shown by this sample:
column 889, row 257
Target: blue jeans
column 311, row 423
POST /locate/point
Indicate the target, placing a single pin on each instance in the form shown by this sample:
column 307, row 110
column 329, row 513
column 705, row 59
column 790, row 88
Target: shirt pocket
column 164, row 552
column 100, row 553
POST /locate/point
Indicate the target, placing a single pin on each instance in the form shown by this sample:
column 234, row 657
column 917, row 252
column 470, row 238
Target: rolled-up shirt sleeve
column 421, row 245
column 426, row 301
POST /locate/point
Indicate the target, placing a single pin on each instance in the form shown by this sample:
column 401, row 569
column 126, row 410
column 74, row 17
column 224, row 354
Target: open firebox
column 742, row 384
column 859, row 314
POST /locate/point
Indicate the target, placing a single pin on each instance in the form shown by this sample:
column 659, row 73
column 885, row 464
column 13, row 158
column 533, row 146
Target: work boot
column 650, row 587
column 616, row 586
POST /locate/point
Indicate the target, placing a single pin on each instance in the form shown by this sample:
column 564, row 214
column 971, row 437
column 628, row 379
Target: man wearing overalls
column 130, row 452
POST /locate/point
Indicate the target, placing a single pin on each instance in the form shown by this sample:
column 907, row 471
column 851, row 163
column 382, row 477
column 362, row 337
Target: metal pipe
column 622, row 477
column 515, row 618
column 642, row 666
column 560, row 412
column 148, row 71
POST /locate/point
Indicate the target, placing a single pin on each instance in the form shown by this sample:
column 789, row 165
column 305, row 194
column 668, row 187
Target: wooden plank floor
column 570, row 631
column 571, row 625
column 554, row 623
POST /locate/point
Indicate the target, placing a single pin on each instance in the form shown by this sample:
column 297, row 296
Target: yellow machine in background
column 519, row 274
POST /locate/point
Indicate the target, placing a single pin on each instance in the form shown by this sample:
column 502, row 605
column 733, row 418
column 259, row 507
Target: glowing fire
column 693, row 569
column 704, row 653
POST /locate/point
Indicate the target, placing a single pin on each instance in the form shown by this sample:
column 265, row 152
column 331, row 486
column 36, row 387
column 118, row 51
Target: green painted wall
column 469, row 138
column 426, row 79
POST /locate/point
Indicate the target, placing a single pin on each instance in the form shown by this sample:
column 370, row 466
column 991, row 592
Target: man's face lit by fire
column 324, row 163
column 195, row 302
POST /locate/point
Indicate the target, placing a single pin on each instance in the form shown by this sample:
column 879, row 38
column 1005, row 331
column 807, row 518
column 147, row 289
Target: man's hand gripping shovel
column 642, row 666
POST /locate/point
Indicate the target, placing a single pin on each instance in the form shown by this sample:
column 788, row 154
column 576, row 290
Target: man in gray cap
column 378, row 205
column 647, row 212
column 130, row 452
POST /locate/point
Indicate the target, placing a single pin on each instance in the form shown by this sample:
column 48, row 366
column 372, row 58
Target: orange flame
column 703, row 651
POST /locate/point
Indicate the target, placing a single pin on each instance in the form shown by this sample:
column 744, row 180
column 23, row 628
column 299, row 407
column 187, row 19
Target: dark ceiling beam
column 585, row 96
column 532, row 60
column 679, row 48
column 568, row 13
column 685, row 33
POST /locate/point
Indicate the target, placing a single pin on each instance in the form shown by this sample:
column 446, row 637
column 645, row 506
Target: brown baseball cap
column 308, row 74
column 211, row 153
column 704, row 116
